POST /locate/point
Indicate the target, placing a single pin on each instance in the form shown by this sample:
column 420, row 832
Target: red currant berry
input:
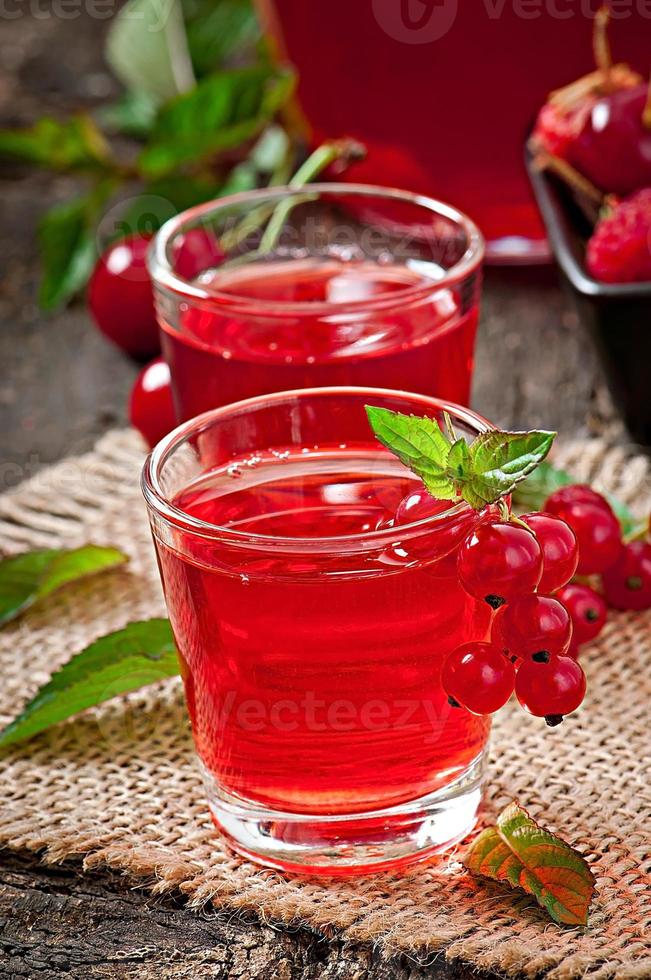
column 627, row 583
column 418, row 505
column 533, row 627
column 550, row 690
column 151, row 410
column 194, row 252
column 477, row 677
column 438, row 537
column 575, row 493
column 598, row 535
column 560, row 551
column 499, row 562
column 587, row 610
column 121, row 299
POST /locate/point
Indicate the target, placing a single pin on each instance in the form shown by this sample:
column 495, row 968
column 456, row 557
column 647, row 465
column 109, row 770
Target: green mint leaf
column 218, row 32
column 223, row 111
column 501, row 460
column 140, row 654
column 533, row 492
column 68, row 246
column 147, row 49
column 26, row 578
column 419, row 443
column 523, row 854
column 76, row 144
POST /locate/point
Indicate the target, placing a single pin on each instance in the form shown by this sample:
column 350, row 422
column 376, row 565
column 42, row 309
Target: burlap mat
column 119, row 788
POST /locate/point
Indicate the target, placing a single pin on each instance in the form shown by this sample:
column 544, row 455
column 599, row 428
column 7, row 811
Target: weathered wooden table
column 61, row 386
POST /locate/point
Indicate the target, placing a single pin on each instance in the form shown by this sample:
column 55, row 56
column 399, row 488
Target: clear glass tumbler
column 329, row 284
column 312, row 625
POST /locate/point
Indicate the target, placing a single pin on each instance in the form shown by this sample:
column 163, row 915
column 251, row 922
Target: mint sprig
column 481, row 472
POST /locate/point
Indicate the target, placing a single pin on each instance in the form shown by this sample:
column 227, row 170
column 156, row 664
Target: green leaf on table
column 480, row 473
column 68, row 246
column 533, row 492
column 26, row 578
column 218, row 31
column 223, row 111
column 147, row 49
column 133, row 114
column 140, row 654
column 523, row 854
column 76, row 144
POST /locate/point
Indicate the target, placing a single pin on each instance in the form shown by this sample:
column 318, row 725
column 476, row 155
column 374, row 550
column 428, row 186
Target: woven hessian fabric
column 118, row 786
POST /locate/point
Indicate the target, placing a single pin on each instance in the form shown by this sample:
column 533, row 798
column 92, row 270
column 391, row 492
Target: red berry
column 587, row 610
column 627, row 583
column 499, row 562
column 558, row 125
column 550, row 690
column 613, row 149
column 121, row 299
column 437, row 538
column 575, row 493
column 477, row 677
column 534, row 626
column 195, row 251
column 418, row 505
column 598, row 535
column 560, row 550
column 151, row 410
column 620, row 247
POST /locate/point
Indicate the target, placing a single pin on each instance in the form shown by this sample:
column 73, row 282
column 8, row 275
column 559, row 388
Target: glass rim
column 162, row 273
column 158, row 501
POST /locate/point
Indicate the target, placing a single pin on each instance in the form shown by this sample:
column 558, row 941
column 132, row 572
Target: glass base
column 346, row 844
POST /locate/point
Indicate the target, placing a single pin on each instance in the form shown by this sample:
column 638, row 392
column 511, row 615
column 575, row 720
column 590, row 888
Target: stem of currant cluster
column 600, row 44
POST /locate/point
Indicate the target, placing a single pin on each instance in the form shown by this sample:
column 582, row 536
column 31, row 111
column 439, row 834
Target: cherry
column 627, row 583
column 151, row 409
column 498, row 562
column 560, row 550
column 587, row 610
column 598, row 535
column 575, row 493
column 121, row 299
column 533, row 627
column 195, row 251
column 550, row 690
column 477, row 677
column 613, row 148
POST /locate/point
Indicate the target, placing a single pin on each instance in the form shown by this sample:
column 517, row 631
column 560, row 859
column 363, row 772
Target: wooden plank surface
column 61, row 386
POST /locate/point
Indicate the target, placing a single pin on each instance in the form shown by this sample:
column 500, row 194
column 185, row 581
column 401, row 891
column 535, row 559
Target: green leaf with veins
column 68, row 246
column 26, row 578
column 480, row 473
column 147, row 49
column 140, row 654
column 76, row 144
column 524, row 855
column 223, row 111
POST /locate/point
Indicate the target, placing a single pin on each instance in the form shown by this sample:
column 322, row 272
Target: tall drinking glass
column 328, row 284
column 312, row 615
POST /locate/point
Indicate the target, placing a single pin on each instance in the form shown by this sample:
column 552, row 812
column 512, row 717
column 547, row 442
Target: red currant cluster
column 514, row 566
column 523, row 569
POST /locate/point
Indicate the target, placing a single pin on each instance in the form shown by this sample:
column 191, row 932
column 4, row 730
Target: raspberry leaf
column 139, row 654
column 525, row 855
column 480, row 473
column 26, row 578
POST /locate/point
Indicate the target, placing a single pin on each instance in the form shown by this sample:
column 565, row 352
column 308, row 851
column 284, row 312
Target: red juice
column 313, row 679
column 218, row 355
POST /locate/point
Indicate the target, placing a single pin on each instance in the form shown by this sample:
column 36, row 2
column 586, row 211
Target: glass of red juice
column 328, row 284
column 313, row 607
